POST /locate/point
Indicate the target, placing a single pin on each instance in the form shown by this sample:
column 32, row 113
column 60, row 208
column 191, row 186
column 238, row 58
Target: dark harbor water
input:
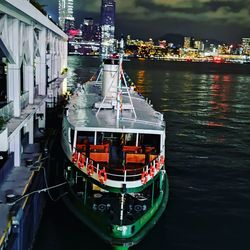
column 207, row 109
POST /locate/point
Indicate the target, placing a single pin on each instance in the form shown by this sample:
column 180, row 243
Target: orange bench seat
column 99, row 148
column 135, row 149
column 99, row 157
column 135, row 158
column 81, row 147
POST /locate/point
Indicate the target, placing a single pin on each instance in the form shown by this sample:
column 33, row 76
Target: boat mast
column 119, row 87
column 100, row 73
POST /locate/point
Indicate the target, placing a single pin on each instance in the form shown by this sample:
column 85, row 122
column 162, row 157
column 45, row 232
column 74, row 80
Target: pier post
column 49, row 65
column 42, row 119
column 28, row 68
column 30, row 79
column 31, row 130
column 14, row 87
column 13, row 69
column 41, row 64
column 53, row 67
column 15, row 146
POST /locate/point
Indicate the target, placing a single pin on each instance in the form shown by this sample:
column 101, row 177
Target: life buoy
column 90, row 168
column 144, row 177
column 162, row 159
column 157, row 165
column 152, row 171
column 102, row 176
column 75, row 157
column 81, row 161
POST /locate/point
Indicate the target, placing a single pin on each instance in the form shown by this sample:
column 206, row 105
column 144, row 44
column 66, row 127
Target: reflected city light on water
column 140, row 81
column 220, row 92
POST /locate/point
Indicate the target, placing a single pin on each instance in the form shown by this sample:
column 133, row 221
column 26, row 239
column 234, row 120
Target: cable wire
column 46, row 184
column 38, row 191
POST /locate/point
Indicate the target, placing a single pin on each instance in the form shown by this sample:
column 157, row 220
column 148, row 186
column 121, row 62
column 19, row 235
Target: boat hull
column 99, row 225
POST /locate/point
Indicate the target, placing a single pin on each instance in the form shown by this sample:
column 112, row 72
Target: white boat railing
column 109, row 177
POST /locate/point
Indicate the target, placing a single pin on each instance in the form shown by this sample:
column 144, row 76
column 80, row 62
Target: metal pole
column 122, row 207
column 119, row 88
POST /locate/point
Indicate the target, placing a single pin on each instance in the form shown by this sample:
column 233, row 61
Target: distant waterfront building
column 246, row 45
column 69, row 24
column 223, row 49
column 65, row 12
column 107, row 26
column 128, row 40
column 187, row 42
column 88, row 21
column 199, row 45
column 97, row 32
column 88, row 29
column 163, row 44
column 91, row 31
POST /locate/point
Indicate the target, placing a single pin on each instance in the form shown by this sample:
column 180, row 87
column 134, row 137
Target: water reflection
column 207, row 165
column 78, row 72
column 220, row 92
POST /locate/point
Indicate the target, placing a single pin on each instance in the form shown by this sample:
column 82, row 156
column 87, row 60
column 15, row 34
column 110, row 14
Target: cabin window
column 111, row 138
column 84, row 137
column 130, row 139
column 84, row 140
column 150, row 141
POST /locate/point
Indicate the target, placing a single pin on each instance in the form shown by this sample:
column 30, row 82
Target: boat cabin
column 122, row 157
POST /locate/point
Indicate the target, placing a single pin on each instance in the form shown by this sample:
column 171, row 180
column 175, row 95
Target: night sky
column 225, row 20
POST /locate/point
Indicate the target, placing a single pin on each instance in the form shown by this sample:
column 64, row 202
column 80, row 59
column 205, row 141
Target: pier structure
column 34, row 51
column 33, row 62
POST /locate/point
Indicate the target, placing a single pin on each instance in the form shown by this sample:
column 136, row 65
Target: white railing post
column 125, row 175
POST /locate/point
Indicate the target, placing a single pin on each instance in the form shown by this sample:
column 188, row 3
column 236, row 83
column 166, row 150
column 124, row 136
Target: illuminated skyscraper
column 188, row 42
column 246, row 45
column 65, row 12
column 107, row 26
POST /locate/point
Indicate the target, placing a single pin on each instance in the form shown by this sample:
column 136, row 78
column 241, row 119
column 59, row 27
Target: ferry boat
column 114, row 146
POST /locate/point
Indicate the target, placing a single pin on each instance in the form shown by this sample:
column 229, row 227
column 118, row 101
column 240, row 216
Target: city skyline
column 222, row 20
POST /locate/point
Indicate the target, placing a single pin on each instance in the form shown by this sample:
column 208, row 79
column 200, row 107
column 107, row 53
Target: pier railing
column 24, row 99
column 36, row 91
column 7, row 111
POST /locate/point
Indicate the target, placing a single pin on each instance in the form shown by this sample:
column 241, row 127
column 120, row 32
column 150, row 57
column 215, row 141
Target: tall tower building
column 107, row 27
column 65, row 12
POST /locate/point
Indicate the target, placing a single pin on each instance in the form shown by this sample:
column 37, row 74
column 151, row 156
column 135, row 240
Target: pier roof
column 26, row 12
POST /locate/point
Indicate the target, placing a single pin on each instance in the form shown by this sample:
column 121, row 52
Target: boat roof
column 83, row 116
